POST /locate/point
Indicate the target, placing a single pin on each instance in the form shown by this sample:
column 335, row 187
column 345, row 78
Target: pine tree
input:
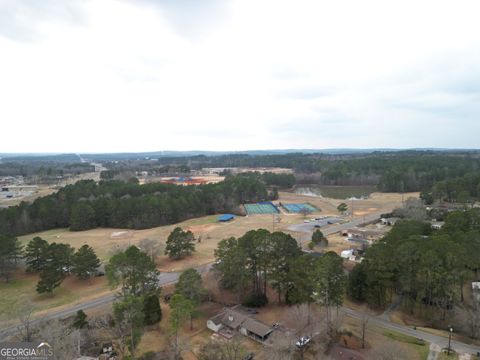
column 151, row 309
column 190, row 286
column 10, row 251
column 82, row 217
column 50, row 278
column 80, row 321
column 85, row 262
column 36, row 254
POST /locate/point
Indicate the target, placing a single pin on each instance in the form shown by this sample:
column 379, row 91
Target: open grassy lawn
column 420, row 346
column 377, row 337
column 207, row 229
column 21, row 293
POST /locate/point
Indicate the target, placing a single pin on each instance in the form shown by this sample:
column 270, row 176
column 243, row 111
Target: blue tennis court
column 261, row 208
column 296, row 208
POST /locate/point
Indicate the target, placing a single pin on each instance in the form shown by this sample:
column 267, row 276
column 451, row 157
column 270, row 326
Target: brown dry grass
column 106, row 241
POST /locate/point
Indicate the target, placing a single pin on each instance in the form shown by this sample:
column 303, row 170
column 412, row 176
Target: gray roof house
column 237, row 319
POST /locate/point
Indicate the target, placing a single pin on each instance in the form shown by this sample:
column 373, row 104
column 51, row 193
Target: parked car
column 252, row 311
column 304, row 340
column 318, row 226
column 249, row 356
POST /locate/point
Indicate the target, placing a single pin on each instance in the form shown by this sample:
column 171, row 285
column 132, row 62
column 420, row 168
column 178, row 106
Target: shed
column 226, row 217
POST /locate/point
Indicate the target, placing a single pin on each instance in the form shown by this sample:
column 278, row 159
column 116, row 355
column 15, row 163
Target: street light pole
column 449, row 340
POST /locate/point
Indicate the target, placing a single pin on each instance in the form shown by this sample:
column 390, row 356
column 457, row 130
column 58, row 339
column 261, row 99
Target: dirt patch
column 350, row 341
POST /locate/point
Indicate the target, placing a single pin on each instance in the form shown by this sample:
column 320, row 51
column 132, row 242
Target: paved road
column 433, row 339
column 164, row 278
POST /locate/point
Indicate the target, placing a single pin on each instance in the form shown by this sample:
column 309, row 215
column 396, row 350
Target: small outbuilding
column 226, row 217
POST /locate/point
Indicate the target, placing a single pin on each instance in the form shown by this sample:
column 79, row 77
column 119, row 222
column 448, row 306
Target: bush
column 256, row 300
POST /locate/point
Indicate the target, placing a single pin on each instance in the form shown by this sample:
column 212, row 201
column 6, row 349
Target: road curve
column 441, row 341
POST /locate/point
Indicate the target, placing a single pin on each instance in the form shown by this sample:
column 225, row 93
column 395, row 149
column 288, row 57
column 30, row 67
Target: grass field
column 21, row 293
column 105, row 241
column 335, row 192
column 419, row 345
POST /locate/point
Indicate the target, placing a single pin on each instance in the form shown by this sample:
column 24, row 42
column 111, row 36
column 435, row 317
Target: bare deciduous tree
column 26, row 330
column 223, row 350
column 303, row 320
column 473, row 320
column 151, row 247
column 61, row 338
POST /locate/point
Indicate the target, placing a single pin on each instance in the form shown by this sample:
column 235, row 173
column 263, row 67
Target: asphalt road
column 441, row 341
column 164, row 278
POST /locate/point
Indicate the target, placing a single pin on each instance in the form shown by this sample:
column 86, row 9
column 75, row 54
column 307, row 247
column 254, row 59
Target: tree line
column 249, row 264
column 428, row 268
column 401, row 171
column 86, row 205
column 52, row 261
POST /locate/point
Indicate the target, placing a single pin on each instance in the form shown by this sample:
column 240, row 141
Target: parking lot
column 315, row 223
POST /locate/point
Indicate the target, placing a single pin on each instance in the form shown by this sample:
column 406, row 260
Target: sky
column 226, row 75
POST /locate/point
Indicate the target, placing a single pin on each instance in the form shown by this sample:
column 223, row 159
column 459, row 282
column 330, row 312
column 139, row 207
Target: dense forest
column 428, row 268
column 43, row 169
column 402, row 171
column 87, row 205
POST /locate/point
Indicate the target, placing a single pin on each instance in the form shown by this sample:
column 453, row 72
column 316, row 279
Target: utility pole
column 352, row 208
column 449, row 340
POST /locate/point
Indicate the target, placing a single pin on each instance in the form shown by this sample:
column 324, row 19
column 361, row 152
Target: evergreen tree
column 10, row 251
column 180, row 244
column 190, row 286
column 80, row 320
column 60, row 257
column 342, row 208
column 85, row 262
column 151, row 309
column 50, row 278
column 129, row 319
column 135, row 271
column 83, row 217
column 36, row 254
column 319, row 239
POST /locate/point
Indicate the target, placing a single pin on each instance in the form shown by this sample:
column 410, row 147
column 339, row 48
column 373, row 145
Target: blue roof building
column 226, row 217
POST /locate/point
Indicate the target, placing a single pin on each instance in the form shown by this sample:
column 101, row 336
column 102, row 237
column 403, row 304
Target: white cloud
column 243, row 74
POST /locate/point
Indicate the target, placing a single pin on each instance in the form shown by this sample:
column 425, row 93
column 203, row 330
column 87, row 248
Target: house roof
column 233, row 319
column 236, row 317
column 226, row 217
column 256, row 327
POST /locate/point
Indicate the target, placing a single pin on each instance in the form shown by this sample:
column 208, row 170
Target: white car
column 304, row 340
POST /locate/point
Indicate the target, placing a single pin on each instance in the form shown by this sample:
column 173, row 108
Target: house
column 238, row 319
column 476, row 290
column 365, row 236
column 226, row 217
column 349, row 254
column 437, row 225
column 389, row 221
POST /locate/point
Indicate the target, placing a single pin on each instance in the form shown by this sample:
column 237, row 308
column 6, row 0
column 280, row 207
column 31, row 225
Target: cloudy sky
column 144, row 75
